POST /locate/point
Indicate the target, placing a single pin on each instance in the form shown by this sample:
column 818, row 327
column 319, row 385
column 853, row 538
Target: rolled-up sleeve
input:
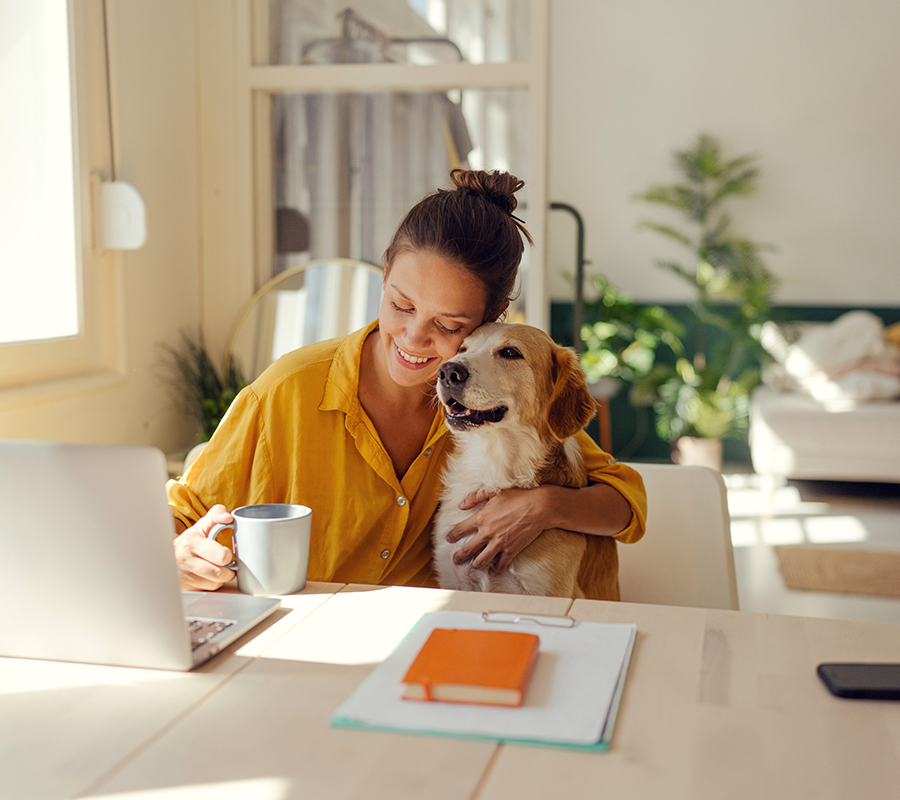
column 234, row 468
column 603, row 468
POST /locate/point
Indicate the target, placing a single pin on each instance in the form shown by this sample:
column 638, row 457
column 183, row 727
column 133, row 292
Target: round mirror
column 318, row 300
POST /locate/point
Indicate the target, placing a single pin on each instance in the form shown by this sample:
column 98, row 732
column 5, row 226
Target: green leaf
column 742, row 184
column 204, row 393
column 681, row 198
column 668, row 231
column 700, row 162
column 678, row 270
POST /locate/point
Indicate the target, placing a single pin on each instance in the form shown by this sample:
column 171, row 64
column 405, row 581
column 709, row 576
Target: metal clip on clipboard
column 552, row 621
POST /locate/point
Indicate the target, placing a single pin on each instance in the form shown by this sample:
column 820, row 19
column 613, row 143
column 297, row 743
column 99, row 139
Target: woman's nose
column 418, row 333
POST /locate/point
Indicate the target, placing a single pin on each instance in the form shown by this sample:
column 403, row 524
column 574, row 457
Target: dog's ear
column 571, row 404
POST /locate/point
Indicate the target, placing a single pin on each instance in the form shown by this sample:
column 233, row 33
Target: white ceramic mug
column 271, row 547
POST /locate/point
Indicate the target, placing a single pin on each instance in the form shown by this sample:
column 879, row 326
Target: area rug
column 836, row 569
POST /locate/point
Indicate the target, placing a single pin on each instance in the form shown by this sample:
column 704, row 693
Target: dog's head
column 514, row 375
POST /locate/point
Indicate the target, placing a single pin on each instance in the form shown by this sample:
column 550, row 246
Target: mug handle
column 214, row 531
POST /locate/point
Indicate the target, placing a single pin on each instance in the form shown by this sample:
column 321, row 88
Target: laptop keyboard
column 202, row 629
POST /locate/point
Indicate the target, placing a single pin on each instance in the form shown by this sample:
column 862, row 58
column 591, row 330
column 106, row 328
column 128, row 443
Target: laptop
column 88, row 568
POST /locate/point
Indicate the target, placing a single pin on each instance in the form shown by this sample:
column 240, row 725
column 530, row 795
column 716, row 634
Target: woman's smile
column 410, row 360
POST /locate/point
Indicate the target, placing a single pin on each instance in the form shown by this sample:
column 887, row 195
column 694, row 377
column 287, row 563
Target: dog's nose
column 451, row 374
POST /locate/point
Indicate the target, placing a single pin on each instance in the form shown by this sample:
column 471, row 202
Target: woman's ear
column 571, row 404
column 499, row 313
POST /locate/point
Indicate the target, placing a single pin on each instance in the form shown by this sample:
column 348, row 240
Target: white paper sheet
column 571, row 700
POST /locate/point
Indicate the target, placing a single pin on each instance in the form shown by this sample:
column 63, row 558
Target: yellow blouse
column 299, row 435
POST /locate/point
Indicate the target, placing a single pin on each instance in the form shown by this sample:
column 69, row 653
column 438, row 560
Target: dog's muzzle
column 452, row 374
column 452, row 379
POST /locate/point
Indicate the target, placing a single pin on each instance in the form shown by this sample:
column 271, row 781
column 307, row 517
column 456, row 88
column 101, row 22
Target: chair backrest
column 685, row 557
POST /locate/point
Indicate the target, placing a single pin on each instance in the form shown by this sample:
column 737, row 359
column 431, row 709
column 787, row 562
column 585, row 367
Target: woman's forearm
column 598, row 509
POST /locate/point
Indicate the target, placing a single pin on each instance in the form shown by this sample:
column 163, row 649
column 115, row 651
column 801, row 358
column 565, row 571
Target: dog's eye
column 462, row 349
column 510, row 353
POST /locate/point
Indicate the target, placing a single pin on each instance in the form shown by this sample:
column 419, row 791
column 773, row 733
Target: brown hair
column 472, row 225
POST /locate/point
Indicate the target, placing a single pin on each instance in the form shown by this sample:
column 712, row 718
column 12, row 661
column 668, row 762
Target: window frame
column 94, row 356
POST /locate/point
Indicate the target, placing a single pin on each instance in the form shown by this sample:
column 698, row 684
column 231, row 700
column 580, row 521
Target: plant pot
column 693, row 452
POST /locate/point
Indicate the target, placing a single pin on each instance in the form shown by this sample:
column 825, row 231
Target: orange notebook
column 486, row 667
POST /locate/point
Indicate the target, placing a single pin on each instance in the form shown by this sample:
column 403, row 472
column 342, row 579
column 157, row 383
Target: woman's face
column 430, row 305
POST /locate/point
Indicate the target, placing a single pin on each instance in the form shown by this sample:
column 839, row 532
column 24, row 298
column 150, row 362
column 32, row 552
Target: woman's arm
column 510, row 520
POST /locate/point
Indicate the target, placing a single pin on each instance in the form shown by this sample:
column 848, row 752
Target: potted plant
column 621, row 343
column 205, row 394
column 704, row 399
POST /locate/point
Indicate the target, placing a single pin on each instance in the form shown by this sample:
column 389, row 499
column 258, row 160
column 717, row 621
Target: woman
column 351, row 428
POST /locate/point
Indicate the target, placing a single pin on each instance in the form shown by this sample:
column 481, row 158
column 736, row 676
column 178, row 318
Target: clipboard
column 572, row 700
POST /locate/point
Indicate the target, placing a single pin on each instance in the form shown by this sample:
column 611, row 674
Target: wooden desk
column 717, row 704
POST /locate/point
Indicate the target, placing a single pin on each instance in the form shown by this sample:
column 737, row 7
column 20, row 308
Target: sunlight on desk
column 294, row 609
column 358, row 626
column 20, row 675
column 258, row 789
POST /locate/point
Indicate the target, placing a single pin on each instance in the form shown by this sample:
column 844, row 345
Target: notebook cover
column 473, row 666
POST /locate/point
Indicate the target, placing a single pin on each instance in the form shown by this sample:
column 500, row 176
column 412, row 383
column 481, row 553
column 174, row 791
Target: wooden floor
column 825, row 513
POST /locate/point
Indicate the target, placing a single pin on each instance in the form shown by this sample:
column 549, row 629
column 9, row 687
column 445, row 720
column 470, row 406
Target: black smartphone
column 871, row 681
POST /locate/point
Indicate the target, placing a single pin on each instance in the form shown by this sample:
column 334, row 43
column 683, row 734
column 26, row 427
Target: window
column 39, row 296
column 347, row 166
column 56, row 298
column 322, row 125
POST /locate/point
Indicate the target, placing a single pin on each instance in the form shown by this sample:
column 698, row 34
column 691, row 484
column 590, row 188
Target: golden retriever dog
column 513, row 400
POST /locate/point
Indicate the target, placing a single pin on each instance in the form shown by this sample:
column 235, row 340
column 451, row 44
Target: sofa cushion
column 793, row 435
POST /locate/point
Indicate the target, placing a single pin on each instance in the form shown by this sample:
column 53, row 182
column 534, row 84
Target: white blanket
column 846, row 360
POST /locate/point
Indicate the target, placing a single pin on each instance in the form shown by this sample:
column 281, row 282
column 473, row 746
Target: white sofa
column 794, row 436
column 831, row 406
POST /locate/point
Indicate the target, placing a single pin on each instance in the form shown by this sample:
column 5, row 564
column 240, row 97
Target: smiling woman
column 351, row 427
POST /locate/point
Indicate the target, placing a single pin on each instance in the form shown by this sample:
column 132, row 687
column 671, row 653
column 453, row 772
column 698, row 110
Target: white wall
column 809, row 86
column 154, row 106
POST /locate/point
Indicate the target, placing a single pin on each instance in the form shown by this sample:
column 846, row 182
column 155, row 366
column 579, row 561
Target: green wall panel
column 633, row 432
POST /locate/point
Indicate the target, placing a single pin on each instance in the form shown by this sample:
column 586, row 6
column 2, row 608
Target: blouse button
column 385, row 553
column 401, row 501
column 428, row 452
column 611, row 461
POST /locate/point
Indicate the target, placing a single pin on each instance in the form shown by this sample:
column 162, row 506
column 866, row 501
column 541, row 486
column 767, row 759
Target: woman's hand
column 201, row 561
column 508, row 522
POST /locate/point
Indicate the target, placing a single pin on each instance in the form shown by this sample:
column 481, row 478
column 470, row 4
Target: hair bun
column 497, row 187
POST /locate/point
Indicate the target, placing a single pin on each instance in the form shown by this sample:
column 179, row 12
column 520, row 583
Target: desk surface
column 717, row 704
